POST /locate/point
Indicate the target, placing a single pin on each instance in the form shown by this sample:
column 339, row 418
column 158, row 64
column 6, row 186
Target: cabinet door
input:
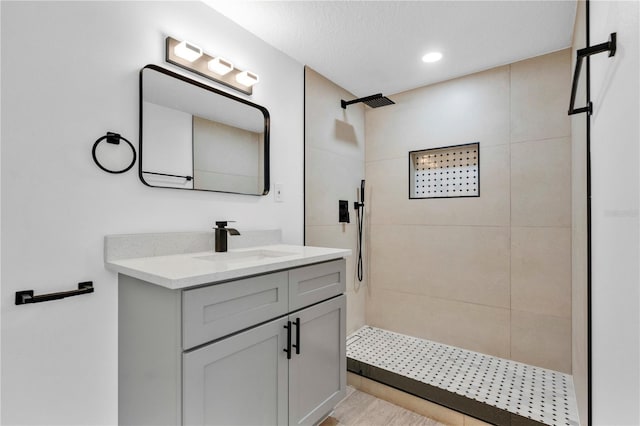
column 317, row 375
column 240, row 380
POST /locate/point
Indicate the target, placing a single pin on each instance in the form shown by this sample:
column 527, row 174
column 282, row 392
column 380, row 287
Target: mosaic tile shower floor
column 542, row 395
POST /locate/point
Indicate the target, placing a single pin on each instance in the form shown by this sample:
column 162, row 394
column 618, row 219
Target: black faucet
column 221, row 235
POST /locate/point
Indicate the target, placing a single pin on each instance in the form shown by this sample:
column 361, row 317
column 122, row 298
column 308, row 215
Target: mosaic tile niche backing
column 449, row 172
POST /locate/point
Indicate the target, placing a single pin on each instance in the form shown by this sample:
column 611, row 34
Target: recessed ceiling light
column 432, row 57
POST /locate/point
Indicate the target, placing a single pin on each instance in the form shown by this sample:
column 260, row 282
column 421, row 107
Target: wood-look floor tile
column 362, row 409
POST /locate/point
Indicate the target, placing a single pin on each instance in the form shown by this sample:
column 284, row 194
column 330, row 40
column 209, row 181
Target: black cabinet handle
column 297, row 345
column 288, row 349
column 27, row 296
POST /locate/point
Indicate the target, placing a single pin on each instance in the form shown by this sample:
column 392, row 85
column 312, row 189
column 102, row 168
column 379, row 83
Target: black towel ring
column 113, row 138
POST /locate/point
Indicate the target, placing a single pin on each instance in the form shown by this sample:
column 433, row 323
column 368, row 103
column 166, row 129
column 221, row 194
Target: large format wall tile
column 541, row 183
column 327, row 125
column 468, row 109
column 541, row 270
column 329, row 177
column 540, row 89
column 334, row 166
column 462, row 263
column 388, row 185
column 436, row 262
column 480, row 328
column 344, row 236
column 336, row 235
column 541, row 340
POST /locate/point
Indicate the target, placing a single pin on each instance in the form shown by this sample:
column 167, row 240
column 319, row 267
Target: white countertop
column 180, row 271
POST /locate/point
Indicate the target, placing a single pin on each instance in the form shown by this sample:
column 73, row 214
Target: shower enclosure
column 487, row 277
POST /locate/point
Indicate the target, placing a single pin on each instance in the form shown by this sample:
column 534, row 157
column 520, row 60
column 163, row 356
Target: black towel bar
column 609, row 46
column 27, row 296
column 188, row 178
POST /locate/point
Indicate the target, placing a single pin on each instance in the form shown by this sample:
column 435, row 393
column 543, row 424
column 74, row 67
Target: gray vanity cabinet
column 246, row 379
column 215, row 354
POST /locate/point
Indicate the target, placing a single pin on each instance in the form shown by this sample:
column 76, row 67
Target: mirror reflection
column 194, row 136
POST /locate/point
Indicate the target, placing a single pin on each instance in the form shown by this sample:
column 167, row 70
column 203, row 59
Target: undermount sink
column 244, row 256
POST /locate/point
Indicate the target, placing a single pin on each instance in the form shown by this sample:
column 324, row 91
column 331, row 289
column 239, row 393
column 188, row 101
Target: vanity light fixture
column 247, row 78
column 187, row 51
column 432, row 57
column 190, row 57
column 220, row 66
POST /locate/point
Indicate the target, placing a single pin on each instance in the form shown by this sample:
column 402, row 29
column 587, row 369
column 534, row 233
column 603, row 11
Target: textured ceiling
column 376, row 46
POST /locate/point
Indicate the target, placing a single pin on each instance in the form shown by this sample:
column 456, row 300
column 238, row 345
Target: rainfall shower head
column 374, row 101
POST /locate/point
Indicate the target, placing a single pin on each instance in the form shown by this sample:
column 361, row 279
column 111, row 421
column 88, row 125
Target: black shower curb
column 451, row 400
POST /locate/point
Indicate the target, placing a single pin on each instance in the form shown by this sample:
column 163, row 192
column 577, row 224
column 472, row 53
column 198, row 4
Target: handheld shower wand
column 359, row 206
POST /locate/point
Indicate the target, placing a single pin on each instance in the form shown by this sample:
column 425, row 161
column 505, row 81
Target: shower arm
column 344, row 103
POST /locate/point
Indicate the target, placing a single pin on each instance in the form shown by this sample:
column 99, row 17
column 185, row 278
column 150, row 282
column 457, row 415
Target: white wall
column 168, row 146
column 615, row 156
column 69, row 74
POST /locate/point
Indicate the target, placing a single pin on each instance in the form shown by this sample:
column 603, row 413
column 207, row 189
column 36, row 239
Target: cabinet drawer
column 218, row 310
column 315, row 283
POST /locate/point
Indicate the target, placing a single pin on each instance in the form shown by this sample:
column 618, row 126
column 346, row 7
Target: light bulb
column 187, row 51
column 220, row 66
column 247, row 78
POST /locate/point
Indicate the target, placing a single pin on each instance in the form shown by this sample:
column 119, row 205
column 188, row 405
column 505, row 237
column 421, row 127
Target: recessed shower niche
column 447, row 172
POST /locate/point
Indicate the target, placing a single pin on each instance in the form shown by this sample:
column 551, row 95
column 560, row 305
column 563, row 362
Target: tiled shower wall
column 334, row 166
column 490, row 274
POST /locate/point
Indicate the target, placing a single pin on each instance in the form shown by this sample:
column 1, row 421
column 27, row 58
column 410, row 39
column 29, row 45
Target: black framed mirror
column 194, row 136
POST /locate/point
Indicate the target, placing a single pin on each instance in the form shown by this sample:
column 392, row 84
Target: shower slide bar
column 609, row 46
